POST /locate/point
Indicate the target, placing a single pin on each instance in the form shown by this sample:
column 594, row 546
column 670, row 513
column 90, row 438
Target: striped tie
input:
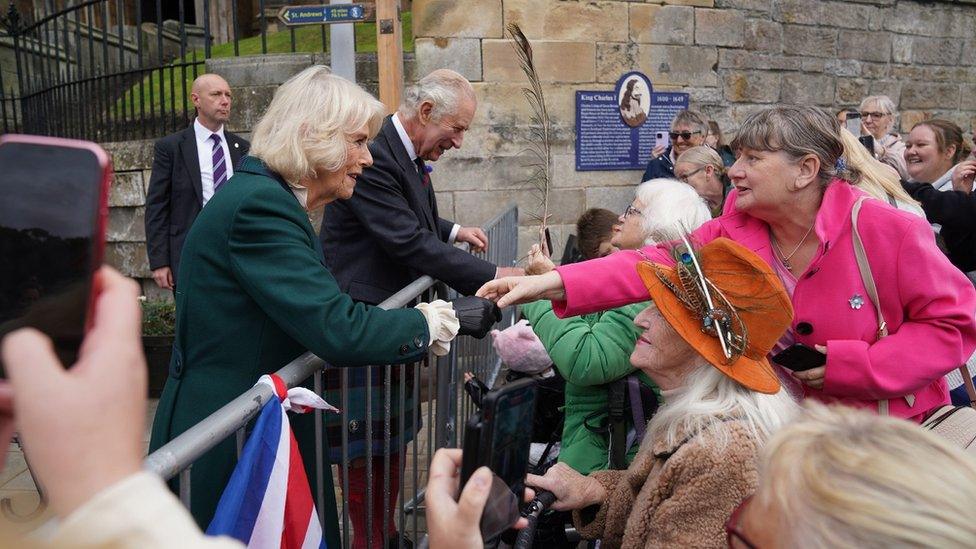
column 219, row 163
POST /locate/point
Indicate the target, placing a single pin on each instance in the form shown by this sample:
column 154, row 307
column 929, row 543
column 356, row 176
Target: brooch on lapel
column 237, row 145
column 856, row 301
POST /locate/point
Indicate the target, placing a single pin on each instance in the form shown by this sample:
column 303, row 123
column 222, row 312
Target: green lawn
column 307, row 38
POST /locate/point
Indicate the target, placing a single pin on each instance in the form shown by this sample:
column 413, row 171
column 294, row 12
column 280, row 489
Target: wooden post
column 389, row 52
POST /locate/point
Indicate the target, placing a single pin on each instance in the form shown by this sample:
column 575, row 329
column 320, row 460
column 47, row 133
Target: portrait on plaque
column 634, row 98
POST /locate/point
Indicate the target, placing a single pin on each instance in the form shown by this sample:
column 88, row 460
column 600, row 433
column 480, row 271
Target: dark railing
column 110, row 70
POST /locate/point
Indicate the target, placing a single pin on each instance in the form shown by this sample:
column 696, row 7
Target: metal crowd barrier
column 437, row 395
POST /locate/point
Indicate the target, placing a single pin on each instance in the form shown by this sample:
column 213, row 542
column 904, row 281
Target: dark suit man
column 388, row 234
column 188, row 168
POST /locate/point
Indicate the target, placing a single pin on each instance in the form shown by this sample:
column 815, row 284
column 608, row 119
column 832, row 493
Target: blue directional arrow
column 317, row 15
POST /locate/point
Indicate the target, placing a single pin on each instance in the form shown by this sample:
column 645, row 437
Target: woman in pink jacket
column 793, row 208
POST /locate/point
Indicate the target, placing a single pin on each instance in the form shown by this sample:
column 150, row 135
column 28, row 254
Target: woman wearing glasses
column 688, row 129
column 878, row 119
column 592, row 351
column 703, row 169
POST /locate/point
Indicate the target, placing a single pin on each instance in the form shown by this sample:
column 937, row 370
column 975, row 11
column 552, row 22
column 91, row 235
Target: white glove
column 442, row 324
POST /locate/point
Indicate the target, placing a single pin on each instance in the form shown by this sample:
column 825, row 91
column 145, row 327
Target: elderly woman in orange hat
column 715, row 315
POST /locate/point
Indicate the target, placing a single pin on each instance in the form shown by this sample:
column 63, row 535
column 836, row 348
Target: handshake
column 476, row 315
column 473, row 316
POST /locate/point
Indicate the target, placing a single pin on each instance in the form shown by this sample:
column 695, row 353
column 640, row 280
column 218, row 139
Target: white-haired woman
column 838, row 477
column 661, row 209
column 878, row 119
column 703, row 169
column 253, row 293
column 592, row 351
column 723, row 400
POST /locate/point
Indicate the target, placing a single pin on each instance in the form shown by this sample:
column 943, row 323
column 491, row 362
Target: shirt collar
column 203, row 134
column 407, row 144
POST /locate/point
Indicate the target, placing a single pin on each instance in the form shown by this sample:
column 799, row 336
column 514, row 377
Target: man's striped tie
column 219, row 163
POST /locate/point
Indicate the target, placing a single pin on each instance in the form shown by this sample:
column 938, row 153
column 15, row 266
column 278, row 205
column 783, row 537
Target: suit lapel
column 190, row 157
column 423, row 196
column 236, row 153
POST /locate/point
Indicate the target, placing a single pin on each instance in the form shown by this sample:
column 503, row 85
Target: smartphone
column 500, row 435
column 548, row 242
column 868, row 142
column 799, row 358
column 53, row 211
column 853, row 123
column 661, row 140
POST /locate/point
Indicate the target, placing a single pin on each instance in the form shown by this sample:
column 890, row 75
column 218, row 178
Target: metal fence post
column 445, row 433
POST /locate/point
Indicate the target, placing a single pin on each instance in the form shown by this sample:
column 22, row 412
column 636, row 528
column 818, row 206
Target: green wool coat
column 589, row 351
column 252, row 295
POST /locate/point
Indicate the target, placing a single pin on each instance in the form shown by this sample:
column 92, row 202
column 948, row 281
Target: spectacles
column 631, row 210
column 684, row 178
column 733, row 535
column 683, row 135
column 873, row 114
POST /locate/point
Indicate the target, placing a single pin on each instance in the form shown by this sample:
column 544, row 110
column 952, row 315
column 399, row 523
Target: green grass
column 308, row 39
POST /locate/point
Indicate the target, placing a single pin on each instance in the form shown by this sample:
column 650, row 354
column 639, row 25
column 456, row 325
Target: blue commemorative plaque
column 317, row 15
column 610, row 138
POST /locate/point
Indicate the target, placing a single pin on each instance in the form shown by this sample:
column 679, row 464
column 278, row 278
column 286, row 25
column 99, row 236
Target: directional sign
column 319, row 15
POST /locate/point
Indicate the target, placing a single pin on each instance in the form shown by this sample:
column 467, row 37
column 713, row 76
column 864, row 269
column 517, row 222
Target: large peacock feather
column 540, row 147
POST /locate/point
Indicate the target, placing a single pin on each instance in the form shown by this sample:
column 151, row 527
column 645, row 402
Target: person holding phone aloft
column 688, row 129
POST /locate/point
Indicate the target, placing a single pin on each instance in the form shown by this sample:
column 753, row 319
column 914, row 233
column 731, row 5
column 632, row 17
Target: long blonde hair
column 703, row 155
column 840, row 477
column 877, row 179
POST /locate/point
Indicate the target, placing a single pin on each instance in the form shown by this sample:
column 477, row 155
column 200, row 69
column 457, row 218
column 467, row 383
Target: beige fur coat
column 675, row 496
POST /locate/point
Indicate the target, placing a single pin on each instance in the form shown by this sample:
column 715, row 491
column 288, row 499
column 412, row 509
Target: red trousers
column 357, row 502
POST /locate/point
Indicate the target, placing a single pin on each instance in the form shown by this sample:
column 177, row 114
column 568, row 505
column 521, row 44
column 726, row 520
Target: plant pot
column 158, row 350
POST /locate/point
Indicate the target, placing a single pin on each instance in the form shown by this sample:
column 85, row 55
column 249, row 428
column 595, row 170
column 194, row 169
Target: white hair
column 306, row 127
column 443, row 89
column 885, row 104
column 671, row 209
column 707, row 398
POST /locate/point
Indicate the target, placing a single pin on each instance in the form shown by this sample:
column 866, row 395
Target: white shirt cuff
column 454, row 232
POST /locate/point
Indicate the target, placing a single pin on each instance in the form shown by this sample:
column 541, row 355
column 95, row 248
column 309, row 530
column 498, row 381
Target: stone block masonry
column 733, row 57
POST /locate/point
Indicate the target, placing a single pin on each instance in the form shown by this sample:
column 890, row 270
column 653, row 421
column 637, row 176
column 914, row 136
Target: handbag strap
column 867, row 278
column 865, row 268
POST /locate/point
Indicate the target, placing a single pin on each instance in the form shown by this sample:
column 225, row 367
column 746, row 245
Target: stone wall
column 732, row 56
column 253, row 81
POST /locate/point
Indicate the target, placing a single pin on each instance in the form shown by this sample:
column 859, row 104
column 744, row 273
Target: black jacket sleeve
column 956, row 212
column 444, row 227
column 385, row 213
column 158, row 204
